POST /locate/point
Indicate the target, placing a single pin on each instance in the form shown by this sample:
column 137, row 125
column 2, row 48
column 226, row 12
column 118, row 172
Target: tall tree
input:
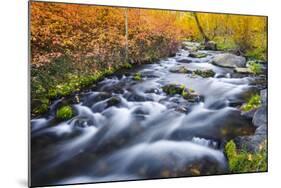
column 205, row 38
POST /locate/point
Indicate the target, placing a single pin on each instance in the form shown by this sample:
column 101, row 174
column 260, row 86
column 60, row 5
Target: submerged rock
column 96, row 97
column 113, row 101
column 229, row 60
column 183, row 60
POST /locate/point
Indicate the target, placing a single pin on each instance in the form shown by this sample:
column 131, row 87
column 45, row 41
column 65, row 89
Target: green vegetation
column 256, row 53
column 42, row 105
column 225, row 44
column 58, row 79
column 173, row 89
column 243, row 161
column 253, row 103
column 255, row 68
column 205, row 73
column 137, row 76
column 127, row 66
column 65, row 113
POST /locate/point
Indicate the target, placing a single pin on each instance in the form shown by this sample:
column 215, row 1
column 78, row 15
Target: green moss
column 137, row 76
column 255, row 67
column 205, row 73
column 65, row 113
column 173, row 89
column 253, row 103
column 243, row 161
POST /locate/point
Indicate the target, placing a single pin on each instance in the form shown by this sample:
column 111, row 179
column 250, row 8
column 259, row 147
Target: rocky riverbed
column 167, row 119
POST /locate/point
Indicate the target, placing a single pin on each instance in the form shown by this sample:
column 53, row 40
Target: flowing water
column 125, row 129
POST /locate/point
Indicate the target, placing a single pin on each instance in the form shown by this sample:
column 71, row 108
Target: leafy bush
column 252, row 103
column 64, row 113
column 243, row 161
column 254, row 67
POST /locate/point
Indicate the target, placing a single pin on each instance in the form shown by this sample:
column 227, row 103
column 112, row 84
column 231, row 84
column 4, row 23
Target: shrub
column 254, row 67
column 64, row 113
column 252, row 103
column 243, row 161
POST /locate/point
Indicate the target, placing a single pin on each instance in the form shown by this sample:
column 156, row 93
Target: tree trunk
column 205, row 38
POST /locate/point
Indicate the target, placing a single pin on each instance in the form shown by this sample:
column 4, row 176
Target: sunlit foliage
column 243, row 161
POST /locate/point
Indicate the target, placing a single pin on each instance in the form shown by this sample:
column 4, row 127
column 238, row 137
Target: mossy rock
column 189, row 94
column 205, row 73
column 172, row 89
column 65, row 113
column 113, row 101
column 197, row 55
column 137, row 76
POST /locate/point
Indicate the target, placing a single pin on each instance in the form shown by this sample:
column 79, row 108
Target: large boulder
column 260, row 117
column 251, row 144
column 229, row 60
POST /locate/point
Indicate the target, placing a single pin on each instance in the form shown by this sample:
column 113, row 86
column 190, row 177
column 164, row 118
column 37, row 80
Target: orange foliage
column 98, row 33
